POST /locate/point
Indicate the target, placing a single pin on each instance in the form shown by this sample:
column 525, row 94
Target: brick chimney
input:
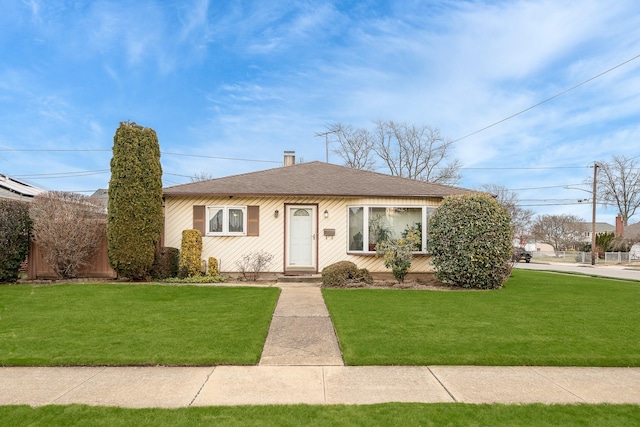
column 619, row 226
column 289, row 158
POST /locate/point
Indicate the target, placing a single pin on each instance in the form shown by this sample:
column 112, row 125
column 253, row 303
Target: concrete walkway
column 301, row 331
column 301, row 363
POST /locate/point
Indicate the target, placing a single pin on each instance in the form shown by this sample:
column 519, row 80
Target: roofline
column 351, row 196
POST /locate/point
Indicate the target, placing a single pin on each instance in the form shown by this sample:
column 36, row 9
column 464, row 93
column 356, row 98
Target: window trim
column 425, row 214
column 225, row 221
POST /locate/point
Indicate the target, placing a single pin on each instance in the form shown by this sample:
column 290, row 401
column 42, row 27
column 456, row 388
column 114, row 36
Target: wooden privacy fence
column 98, row 266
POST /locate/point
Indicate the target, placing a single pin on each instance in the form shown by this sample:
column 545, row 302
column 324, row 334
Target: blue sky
column 250, row 79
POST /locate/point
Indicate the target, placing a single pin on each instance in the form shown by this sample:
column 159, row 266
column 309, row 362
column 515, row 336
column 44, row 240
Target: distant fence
column 98, row 266
column 585, row 257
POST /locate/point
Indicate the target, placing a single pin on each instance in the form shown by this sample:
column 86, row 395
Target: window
column 369, row 225
column 226, row 220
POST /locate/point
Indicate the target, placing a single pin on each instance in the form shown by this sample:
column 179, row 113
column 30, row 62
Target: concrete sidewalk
column 318, row 385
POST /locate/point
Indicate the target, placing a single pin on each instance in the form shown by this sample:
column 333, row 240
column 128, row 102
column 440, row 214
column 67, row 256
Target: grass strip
column 536, row 319
column 113, row 324
column 396, row 414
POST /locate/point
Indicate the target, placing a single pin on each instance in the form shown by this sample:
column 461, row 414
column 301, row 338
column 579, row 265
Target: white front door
column 301, row 241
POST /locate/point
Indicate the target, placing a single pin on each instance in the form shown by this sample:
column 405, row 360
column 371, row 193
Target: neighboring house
column 16, row 190
column 632, row 234
column 307, row 215
column 601, row 228
column 101, row 196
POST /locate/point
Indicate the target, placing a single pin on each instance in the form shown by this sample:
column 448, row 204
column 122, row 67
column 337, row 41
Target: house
column 601, row 228
column 101, row 197
column 632, row 235
column 13, row 189
column 307, row 215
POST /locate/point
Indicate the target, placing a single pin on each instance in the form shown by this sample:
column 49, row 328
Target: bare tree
column 560, row 231
column 201, row 176
column 619, row 182
column 520, row 218
column 356, row 146
column 416, row 152
column 409, row 151
column 68, row 229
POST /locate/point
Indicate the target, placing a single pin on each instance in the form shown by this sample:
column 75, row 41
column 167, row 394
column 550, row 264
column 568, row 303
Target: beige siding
column 331, row 249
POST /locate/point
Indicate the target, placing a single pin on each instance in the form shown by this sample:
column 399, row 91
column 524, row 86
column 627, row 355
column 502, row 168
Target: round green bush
column 470, row 240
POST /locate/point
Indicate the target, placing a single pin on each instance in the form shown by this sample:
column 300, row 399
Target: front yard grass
column 116, row 324
column 536, row 319
column 391, row 414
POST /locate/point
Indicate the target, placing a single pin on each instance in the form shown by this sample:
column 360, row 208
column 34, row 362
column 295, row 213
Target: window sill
column 415, row 254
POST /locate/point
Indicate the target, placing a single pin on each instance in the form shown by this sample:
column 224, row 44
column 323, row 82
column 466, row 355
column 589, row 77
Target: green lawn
column 536, row 319
column 393, row 414
column 113, row 324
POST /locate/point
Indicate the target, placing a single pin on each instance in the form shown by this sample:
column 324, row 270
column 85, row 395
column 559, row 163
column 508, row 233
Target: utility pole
column 326, row 140
column 593, row 218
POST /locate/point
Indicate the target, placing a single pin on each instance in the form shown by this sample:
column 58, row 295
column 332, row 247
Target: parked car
column 520, row 254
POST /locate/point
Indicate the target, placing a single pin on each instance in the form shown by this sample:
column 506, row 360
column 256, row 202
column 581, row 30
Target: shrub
column 212, row 267
column 398, row 253
column 135, row 212
column 15, row 226
column 363, row 276
column 196, row 279
column 166, row 263
column 344, row 273
column 252, row 264
column 191, row 253
column 470, row 241
column 68, row 229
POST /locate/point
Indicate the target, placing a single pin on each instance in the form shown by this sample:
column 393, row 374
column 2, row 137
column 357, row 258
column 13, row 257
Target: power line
column 73, row 150
column 43, row 150
column 221, row 158
column 552, row 204
column 548, row 99
column 541, row 188
column 62, row 174
column 527, row 168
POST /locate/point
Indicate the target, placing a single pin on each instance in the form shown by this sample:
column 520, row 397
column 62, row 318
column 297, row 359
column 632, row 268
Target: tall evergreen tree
column 135, row 201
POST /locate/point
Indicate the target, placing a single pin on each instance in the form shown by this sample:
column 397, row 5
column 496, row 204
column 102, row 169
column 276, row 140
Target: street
column 621, row 271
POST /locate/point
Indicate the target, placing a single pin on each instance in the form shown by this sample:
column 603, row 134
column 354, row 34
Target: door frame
column 311, row 269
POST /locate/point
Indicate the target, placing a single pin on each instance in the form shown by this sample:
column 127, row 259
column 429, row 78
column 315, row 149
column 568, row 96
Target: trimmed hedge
column 135, row 214
column 470, row 241
column 166, row 263
column 191, row 253
column 212, row 267
column 15, row 227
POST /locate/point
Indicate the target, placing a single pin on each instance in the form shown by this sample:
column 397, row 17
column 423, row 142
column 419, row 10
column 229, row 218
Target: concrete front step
column 306, row 278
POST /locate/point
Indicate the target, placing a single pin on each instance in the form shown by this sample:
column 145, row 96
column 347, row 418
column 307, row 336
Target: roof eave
column 350, row 196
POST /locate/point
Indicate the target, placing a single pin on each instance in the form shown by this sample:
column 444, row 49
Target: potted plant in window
column 378, row 232
column 417, row 227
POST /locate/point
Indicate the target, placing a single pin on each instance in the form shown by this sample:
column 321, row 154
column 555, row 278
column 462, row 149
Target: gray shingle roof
column 314, row 179
column 632, row 231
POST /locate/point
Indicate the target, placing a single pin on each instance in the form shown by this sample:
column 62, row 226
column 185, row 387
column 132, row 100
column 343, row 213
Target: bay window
column 368, row 225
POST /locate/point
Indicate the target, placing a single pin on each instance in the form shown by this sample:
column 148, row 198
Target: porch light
column 326, row 213
column 276, row 213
